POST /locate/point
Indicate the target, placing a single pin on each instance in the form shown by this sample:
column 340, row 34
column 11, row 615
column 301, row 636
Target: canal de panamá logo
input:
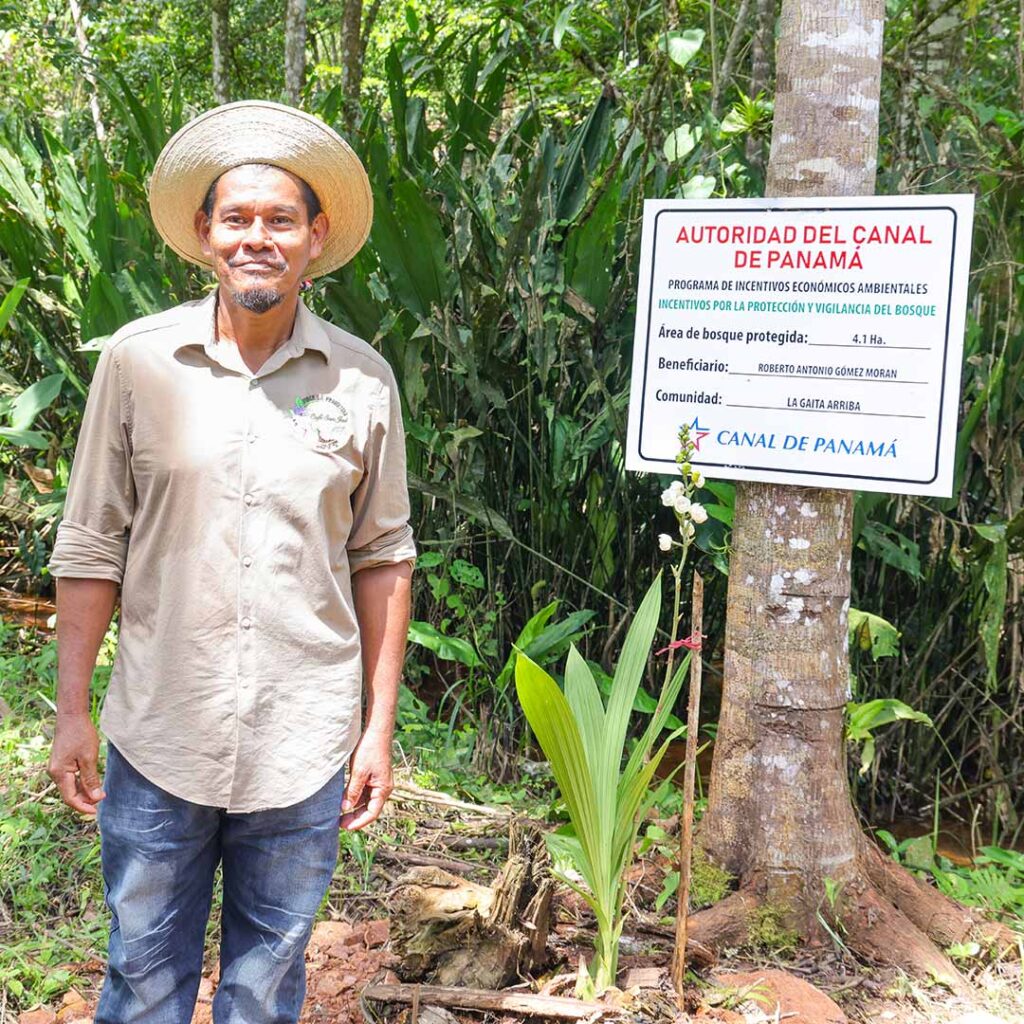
column 697, row 433
column 321, row 420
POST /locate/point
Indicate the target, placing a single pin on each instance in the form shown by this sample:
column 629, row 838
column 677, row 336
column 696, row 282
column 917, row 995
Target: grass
column 51, row 887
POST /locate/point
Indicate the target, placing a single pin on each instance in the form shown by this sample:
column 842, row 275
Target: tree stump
column 453, row 932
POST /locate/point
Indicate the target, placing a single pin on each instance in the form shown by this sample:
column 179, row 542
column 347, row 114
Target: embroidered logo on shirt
column 321, row 420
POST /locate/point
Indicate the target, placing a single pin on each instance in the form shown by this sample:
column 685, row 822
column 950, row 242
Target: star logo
column 697, row 433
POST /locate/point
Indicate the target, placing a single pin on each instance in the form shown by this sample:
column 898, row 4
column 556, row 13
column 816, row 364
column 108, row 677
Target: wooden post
column 689, row 780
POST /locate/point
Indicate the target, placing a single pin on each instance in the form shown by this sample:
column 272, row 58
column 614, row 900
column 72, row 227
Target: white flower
column 698, row 478
column 687, row 530
column 669, row 495
column 664, row 542
column 698, row 513
column 681, row 504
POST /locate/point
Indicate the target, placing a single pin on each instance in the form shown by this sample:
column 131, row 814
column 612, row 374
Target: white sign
column 805, row 341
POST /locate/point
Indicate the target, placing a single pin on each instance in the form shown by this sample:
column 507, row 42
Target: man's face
column 259, row 236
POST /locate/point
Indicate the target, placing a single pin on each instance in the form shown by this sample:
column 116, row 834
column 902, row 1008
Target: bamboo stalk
column 689, row 779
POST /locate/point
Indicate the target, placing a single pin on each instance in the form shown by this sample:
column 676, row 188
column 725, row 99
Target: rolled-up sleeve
column 92, row 539
column 381, row 534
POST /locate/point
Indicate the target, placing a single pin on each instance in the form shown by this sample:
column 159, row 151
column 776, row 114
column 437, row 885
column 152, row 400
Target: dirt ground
column 811, row 986
column 821, row 988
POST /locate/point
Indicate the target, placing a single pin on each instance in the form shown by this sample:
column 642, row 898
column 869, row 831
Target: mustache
column 273, row 264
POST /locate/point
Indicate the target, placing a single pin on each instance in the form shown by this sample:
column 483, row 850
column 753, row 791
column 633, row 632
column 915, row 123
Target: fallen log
column 556, row 1007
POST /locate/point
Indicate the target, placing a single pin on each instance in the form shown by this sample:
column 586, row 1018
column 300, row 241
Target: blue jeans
column 159, row 854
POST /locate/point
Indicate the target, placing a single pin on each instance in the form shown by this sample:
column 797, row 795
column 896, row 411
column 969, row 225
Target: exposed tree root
column 727, row 923
column 886, row 916
column 943, row 920
column 879, row 932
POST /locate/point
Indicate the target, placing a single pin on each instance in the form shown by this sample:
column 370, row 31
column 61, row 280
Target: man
column 240, row 476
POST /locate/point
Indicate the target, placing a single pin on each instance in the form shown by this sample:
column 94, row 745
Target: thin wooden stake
column 689, row 779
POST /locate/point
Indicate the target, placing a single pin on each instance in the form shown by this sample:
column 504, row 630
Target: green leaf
column 550, row 716
column 863, row 719
column 892, row 547
column 562, row 25
column 582, row 694
column 872, row 633
column 681, row 141
column 33, row 400
column 581, row 158
column 527, row 635
column 24, row 438
column 919, row 853
column 15, row 183
column 723, row 513
column 681, row 47
column 11, row 300
column 734, row 123
column 447, row 648
column 700, row 186
column 470, row 506
column 993, row 610
column 668, row 889
column 992, row 386
column 629, row 671
column 555, row 636
column 467, row 574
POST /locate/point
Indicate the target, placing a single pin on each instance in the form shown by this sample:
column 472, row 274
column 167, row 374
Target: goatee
column 257, row 300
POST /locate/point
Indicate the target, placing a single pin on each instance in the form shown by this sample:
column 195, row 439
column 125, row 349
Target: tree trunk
column 220, row 11
column 82, row 40
column 294, row 51
column 724, row 79
column 780, row 816
column 760, row 70
column 351, row 58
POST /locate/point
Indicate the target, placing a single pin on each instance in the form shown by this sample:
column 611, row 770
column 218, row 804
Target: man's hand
column 369, row 782
column 73, row 760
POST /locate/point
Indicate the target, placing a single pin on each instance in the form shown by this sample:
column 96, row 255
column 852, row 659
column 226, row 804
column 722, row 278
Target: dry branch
column 424, row 860
column 556, row 1007
column 409, row 793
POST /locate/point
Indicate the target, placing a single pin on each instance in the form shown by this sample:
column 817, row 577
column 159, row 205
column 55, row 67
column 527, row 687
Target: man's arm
column 382, row 596
column 84, row 608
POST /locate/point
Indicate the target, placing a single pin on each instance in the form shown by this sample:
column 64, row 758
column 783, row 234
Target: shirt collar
column 307, row 332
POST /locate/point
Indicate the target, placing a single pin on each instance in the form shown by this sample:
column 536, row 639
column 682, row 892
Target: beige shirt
column 233, row 508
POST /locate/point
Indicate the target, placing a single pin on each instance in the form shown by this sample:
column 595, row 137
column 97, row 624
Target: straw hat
column 257, row 131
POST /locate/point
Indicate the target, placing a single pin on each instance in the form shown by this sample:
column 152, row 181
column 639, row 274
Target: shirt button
column 246, row 623
column 248, row 499
column 247, row 561
column 251, row 438
column 254, row 383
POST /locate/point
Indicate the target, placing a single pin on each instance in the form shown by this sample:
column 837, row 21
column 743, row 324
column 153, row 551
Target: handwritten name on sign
column 813, row 342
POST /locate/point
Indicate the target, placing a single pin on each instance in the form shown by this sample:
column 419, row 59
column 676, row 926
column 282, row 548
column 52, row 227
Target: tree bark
column 724, row 79
column 761, row 69
column 294, row 51
column 85, row 51
column 220, row 12
column 351, row 58
column 780, row 816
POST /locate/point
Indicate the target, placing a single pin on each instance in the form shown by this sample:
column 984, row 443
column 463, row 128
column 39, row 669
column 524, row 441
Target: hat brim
column 258, row 131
